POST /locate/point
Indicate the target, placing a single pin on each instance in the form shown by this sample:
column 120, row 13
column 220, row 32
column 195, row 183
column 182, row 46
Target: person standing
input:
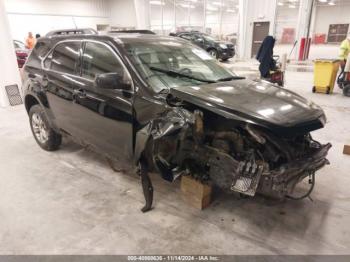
column 345, row 49
column 343, row 55
column 30, row 41
column 265, row 56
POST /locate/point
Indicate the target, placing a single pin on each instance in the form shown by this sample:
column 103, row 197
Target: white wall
column 41, row 16
column 253, row 11
column 326, row 15
column 123, row 13
column 9, row 74
column 285, row 18
column 142, row 14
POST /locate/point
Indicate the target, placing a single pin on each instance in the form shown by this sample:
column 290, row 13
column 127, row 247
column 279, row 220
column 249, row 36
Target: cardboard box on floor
column 346, row 150
column 195, row 193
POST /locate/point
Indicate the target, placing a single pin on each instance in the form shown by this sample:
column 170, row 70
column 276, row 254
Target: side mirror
column 111, row 81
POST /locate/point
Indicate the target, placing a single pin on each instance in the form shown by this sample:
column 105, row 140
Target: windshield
column 166, row 64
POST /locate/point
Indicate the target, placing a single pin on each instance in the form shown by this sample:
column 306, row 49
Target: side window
column 99, row 59
column 40, row 50
column 65, row 57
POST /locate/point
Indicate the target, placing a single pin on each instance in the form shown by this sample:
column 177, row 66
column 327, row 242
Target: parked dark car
column 165, row 104
column 21, row 52
column 219, row 49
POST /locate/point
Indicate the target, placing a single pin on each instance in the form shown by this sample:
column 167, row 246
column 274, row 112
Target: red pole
column 302, row 48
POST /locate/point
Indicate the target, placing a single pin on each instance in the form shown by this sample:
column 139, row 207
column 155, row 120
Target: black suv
column 162, row 103
column 216, row 48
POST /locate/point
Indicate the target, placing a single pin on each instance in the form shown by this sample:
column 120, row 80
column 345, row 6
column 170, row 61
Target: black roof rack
column 135, row 31
column 185, row 32
column 76, row 31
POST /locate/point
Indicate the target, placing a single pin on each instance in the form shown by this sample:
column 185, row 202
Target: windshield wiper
column 174, row 73
column 230, row 78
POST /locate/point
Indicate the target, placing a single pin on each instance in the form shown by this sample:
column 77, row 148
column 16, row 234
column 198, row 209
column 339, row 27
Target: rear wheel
column 313, row 89
column 44, row 135
column 328, row 90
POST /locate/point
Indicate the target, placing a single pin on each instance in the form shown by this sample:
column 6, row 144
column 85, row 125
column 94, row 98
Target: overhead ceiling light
column 156, row 2
column 212, row 8
column 231, row 10
column 187, row 6
column 331, row 3
column 216, row 3
column 323, row 1
column 280, row 4
column 292, row 6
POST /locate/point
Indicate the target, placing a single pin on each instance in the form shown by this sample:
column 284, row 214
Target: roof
column 121, row 38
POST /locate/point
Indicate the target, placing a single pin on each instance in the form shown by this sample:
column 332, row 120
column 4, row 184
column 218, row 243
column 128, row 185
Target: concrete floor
column 71, row 202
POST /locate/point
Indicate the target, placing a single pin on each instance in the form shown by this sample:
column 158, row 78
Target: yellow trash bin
column 325, row 73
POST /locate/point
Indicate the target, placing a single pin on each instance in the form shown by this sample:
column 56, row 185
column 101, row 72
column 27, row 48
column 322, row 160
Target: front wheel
column 44, row 135
column 346, row 90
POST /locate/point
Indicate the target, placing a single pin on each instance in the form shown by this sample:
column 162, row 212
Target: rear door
column 104, row 116
column 61, row 74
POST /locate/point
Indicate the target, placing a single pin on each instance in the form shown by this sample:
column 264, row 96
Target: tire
column 213, row 53
column 313, row 89
column 328, row 90
column 340, row 80
column 225, row 59
column 44, row 135
column 346, row 90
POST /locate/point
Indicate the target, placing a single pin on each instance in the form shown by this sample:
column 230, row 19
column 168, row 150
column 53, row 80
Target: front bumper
column 282, row 181
column 226, row 53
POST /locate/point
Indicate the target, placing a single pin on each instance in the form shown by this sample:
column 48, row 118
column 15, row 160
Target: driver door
column 198, row 40
column 104, row 116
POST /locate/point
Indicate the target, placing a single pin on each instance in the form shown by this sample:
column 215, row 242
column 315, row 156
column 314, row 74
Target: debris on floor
column 346, row 150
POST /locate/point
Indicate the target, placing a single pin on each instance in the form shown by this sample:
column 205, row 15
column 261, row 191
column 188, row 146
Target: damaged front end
column 233, row 155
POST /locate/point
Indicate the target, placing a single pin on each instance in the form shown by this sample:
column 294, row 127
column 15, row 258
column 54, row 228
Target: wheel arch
column 30, row 101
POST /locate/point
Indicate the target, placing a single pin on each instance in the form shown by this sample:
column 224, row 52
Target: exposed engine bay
column 233, row 155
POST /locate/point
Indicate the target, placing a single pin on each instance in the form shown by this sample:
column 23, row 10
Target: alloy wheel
column 39, row 128
column 212, row 53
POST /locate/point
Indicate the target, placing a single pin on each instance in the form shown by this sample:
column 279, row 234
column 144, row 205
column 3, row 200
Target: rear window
column 38, row 53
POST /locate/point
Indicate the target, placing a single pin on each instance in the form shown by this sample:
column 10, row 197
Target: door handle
column 79, row 93
column 45, row 82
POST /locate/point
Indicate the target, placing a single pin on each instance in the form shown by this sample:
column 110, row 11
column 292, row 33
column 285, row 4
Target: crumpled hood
column 257, row 102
